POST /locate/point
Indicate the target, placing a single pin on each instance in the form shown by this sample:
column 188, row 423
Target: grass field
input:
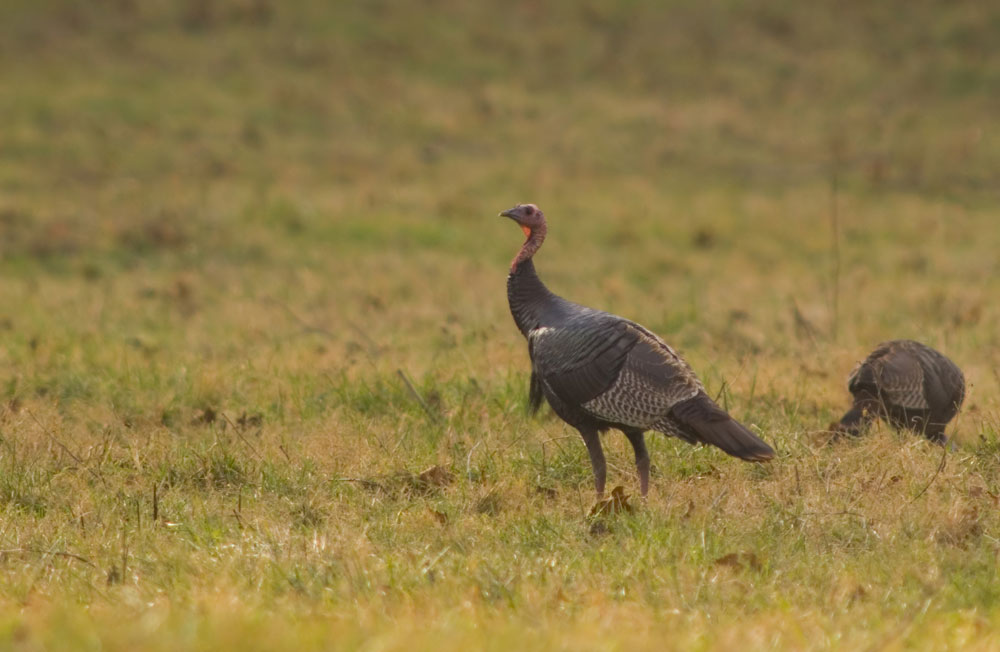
column 234, row 233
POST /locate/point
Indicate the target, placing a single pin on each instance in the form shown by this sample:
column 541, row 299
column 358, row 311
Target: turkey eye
column 529, row 210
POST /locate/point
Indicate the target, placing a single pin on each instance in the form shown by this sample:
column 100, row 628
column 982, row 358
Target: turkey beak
column 510, row 212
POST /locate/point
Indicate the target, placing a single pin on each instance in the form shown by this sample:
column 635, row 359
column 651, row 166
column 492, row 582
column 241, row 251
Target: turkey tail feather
column 710, row 424
column 534, row 393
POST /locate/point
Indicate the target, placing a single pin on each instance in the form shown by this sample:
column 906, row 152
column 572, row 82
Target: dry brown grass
column 229, row 231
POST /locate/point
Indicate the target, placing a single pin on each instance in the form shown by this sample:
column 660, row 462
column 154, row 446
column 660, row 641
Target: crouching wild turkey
column 600, row 371
column 907, row 383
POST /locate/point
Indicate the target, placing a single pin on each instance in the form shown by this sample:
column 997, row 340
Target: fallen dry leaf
column 547, row 492
column 407, row 481
column 250, row 420
column 436, row 476
column 488, row 504
column 616, row 503
column 440, row 517
column 740, row 560
column 979, row 492
column 205, row 416
column 598, row 528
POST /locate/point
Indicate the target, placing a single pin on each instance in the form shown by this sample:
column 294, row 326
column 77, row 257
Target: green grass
column 229, row 230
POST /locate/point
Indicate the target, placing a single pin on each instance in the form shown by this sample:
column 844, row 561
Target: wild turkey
column 907, row 383
column 600, row 371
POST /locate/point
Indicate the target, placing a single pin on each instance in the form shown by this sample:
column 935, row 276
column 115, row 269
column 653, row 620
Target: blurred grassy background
column 227, row 226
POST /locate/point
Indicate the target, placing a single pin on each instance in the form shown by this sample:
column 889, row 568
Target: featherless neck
column 530, row 301
column 535, row 239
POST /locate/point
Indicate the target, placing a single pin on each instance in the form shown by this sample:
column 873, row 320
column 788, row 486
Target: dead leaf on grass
column 205, row 416
column 250, row 420
column 408, row 482
column 599, row 528
column 488, row 504
column 547, row 492
column 740, row 561
column 826, row 437
column 848, row 591
column 440, row 517
column 616, row 503
column 14, row 405
column 979, row 492
column 960, row 526
column 436, row 476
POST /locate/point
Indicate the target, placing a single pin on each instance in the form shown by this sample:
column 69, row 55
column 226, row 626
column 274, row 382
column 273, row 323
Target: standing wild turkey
column 600, row 371
column 909, row 384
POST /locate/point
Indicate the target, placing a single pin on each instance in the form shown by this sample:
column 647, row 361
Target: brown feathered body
column 599, row 371
column 907, row 383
